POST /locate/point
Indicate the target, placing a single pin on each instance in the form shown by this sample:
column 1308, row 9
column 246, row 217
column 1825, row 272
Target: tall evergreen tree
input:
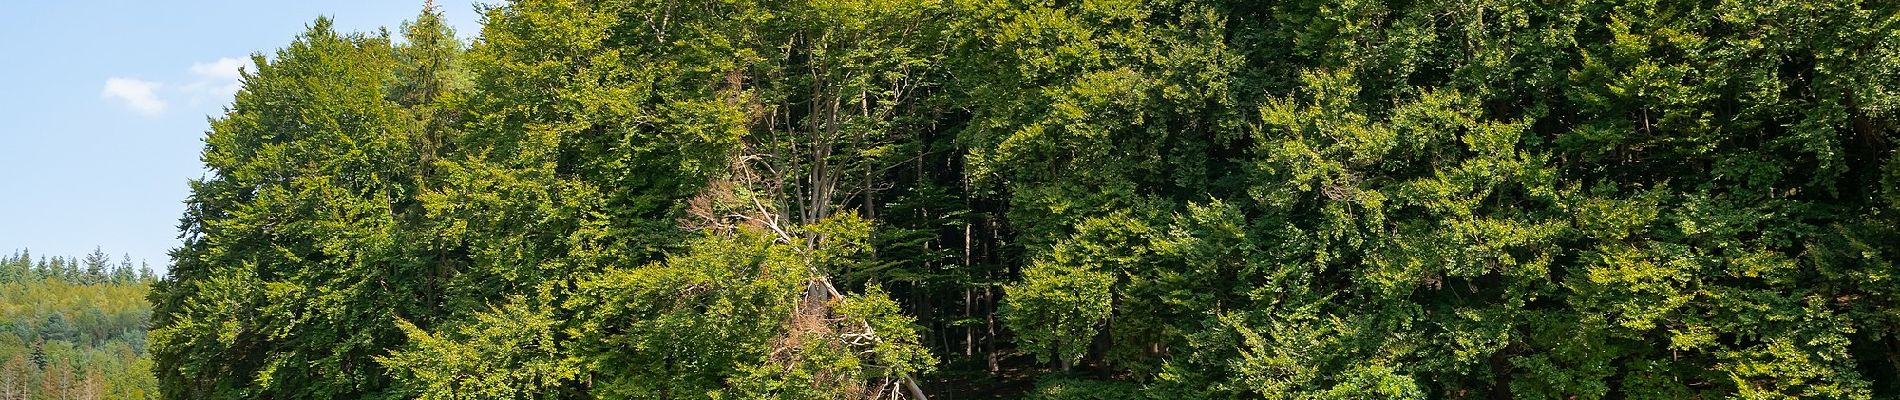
column 97, row 266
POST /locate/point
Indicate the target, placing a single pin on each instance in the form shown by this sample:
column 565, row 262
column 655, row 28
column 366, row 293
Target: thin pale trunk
column 969, row 332
column 969, row 293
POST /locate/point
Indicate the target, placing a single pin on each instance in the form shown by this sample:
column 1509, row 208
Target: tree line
column 95, row 268
column 1311, row 199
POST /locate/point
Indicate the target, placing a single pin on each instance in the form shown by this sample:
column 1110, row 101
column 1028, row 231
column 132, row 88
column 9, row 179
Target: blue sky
column 103, row 105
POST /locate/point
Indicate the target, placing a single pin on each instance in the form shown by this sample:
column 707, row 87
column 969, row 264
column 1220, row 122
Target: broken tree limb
column 823, row 282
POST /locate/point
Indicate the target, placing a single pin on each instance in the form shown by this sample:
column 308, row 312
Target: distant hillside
column 74, row 328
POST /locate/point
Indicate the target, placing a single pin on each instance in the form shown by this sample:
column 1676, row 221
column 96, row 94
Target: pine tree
column 97, row 264
column 122, row 273
column 56, row 328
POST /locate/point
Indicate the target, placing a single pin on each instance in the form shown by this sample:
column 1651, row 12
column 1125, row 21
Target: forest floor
column 968, row 378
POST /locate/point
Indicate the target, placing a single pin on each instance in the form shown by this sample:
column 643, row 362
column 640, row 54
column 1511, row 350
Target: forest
column 74, row 328
column 1042, row 199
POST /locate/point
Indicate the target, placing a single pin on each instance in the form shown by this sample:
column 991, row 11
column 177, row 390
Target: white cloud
column 139, row 95
column 217, row 80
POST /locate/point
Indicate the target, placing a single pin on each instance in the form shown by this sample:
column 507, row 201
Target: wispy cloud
column 139, row 95
column 216, row 80
column 223, row 69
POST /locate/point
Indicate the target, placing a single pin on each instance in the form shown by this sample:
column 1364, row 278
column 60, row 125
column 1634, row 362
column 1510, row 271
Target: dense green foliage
column 74, row 328
column 1112, row 198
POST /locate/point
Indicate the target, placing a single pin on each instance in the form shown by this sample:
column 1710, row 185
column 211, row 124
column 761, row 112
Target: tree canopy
column 1303, row 199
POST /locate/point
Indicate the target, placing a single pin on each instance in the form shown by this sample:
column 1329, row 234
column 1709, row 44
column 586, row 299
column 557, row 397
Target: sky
column 104, row 106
